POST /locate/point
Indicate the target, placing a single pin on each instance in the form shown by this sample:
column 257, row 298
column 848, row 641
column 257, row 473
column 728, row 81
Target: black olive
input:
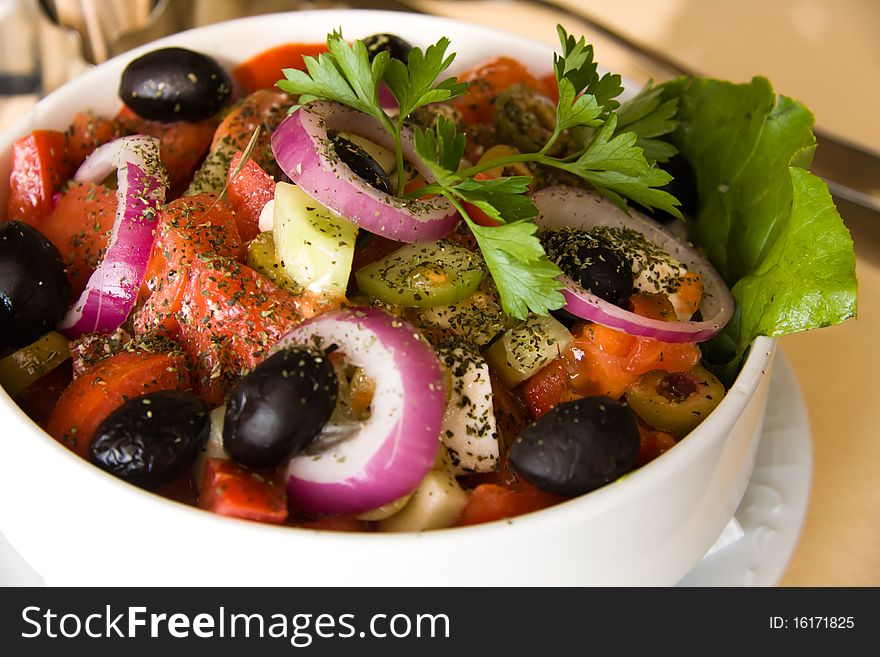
column 391, row 43
column 578, row 446
column 278, row 409
column 361, row 162
column 152, row 439
column 33, row 285
column 175, row 84
column 606, row 273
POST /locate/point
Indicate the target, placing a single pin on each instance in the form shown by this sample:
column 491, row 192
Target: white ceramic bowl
column 76, row 524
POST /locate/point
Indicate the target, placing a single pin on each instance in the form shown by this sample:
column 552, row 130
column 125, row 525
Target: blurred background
column 825, row 54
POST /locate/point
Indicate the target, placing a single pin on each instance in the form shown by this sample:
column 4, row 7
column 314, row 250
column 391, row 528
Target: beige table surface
column 827, row 54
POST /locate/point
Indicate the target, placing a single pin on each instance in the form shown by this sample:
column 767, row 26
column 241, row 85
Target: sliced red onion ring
column 386, row 456
column 303, row 150
column 141, row 183
column 562, row 206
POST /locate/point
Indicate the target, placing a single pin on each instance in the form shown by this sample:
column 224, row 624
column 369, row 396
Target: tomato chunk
column 88, row 400
column 265, row 107
column 604, row 361
column 190, row 228
column 490, row 502
column 652, row 443
column 80, row 227
column 87, row 132
column 248, row 192
column 231, row 490
column 337, row 524
column 487, row 81
column 549, row 387
column 182, row 144
column 262, row 71
column 39, row 167
column 229, row 319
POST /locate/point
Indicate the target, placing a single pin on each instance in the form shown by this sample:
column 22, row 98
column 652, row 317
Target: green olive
column 675, row 402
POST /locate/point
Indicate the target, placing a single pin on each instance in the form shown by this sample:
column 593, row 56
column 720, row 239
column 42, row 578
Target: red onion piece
column 141, row 183
column 386, row 98
column 303, row 150
column 562, row 206
column 386, row 456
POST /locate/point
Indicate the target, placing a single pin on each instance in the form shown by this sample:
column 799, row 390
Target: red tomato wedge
column 182, row 144
column 88, row 400
column 190, row 228
column 87, row 132
column 79, row 226
column 262, row 71
column 39, row 167
column 248, row 192
column 231, row 490
column 490, row 502
column 549, row 387
column 229, row 319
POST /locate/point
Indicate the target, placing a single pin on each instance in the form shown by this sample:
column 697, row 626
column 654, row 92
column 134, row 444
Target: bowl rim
column 650, row 475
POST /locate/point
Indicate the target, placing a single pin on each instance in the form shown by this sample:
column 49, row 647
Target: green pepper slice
column 423, row 275
column 21, row 368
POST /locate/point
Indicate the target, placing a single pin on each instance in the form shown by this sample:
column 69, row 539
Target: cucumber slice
column 421, row 275
column 523, row 350
column 437, row 503
column 261, row 256
column 313, row 244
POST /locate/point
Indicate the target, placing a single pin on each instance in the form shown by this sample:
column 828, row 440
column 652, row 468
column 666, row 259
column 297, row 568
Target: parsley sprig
column 618, row 152
column 346, row 74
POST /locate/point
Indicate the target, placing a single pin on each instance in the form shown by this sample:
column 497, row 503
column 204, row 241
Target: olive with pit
column 578, row 446
column 675, row 402
column 360, row 162
column 391, row 43
column 175, row 84
column 33, row 285
column 280, row 407
column 151, row 440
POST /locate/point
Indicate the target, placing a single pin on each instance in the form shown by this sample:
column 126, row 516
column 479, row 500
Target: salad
column 339, row 288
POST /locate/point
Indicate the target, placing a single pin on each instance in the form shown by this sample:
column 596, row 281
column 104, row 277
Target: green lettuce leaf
column 769, row 226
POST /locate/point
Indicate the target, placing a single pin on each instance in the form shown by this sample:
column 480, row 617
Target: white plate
column 771, row 514
column 773, row 509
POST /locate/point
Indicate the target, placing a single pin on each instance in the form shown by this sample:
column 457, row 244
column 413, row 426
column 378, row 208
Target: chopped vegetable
column 39, row 168
column 98, row 392
column 231, row 490
column 312, row 244
column 423, row 275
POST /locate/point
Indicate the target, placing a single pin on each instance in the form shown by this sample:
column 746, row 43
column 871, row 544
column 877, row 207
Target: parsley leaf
column 503, row 199
column 525, row 277
column 649, row 117
column 617, row 167
column 414, row 84
column 576, row 64
column 441, row 149
column 344, row 74
column 612, row 158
